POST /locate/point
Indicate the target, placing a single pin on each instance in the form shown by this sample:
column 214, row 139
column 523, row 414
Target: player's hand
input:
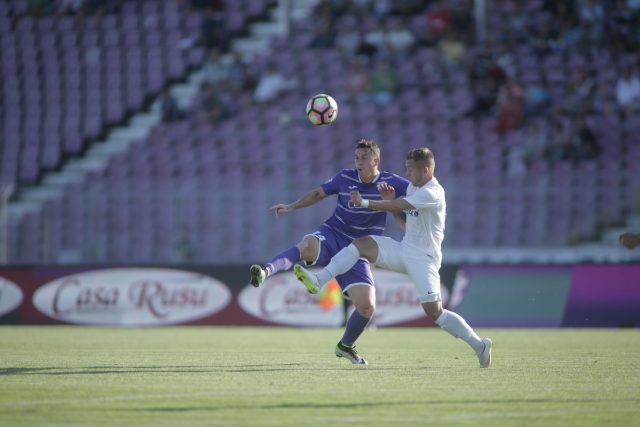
column 356, row 198
column 387, row 192
column 629, row 240
column 280, row 209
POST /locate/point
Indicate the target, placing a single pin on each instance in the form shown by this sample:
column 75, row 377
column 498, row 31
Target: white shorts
column 421, row 268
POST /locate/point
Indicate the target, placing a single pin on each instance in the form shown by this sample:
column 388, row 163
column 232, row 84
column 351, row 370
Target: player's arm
column 311, row 198
column 396, row 205
column 387, row 192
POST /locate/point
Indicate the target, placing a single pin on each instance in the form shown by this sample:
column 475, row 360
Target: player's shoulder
column 348, row 175
column 390, row 176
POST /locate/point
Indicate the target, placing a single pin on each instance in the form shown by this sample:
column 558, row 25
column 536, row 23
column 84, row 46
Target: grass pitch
column 211, row 376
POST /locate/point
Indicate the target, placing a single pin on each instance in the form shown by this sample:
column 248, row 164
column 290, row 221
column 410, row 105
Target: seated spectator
column 400, row 41
column 580, row 95
column 510, row 107
column 438, row 20
column 239, row 77
column 485, row 98
column 357, row 82
column 453, row 51
column 537, row 98
column 559, row 147
column 271, row 84
column 383, row 84
column 348, row 38
column 584, row 140
column 628, row 90
column 323, row 35
column 214, row 71
column 604, row 101
column 169, row 108
column 211, row 107
column 534, row 144
column 374, row 41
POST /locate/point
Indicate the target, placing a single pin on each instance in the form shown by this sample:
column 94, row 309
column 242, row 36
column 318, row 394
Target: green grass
column 209, row 376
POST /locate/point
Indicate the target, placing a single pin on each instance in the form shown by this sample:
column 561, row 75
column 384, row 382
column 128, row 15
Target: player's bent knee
column 433, row 310
column 308, row 249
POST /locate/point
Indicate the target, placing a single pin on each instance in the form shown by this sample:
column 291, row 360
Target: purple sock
column 283, row 261
column 355, row 327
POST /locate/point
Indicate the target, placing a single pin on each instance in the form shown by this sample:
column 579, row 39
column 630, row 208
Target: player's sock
column 355, row 327
column 340, row 263
column 283, row 261
column 459, row 328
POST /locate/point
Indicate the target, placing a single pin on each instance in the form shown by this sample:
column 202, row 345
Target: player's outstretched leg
column 350, row 354
column 308, row 279
column 258, row 275
column 485, row 355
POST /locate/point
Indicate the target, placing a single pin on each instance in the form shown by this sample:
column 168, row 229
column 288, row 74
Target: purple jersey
column 353, row 221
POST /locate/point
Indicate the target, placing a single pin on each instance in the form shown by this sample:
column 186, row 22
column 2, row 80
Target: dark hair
column 423, row 155
column 371, row 145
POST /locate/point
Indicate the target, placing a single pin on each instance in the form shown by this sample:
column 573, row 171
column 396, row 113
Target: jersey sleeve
column 332, row 186
column 400, row 185
column 424, row 198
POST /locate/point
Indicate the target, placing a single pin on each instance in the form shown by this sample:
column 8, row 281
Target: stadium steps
column 261, row 32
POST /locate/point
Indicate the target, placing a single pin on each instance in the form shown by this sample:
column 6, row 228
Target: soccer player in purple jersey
column 346, row 224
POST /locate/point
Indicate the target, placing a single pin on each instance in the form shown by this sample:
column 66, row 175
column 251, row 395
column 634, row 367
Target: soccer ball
column 322, row 109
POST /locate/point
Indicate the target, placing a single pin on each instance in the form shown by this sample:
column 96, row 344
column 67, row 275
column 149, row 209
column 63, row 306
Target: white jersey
column 424, row 230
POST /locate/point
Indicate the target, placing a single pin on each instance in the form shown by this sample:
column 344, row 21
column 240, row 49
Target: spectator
column 584, row 140
column 238, row 76
column 383, row 84
column 169, row 108
column 357, row 81
column 214, row 71
column 485, row 98
column 534, row 144
column 211, row 108
column 555, row 150
column 510, row 107
column 628, row 90
column 604, row 101
column 580, row 94
column 438, row 20
column 537, row 99
column 323, row 34
column 400, row 40
column 271, row 84
column 348, row 38
column 374, row 41
column 453, row 51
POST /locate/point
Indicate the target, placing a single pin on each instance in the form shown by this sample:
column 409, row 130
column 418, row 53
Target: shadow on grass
column 185, row 369
column 376, row 404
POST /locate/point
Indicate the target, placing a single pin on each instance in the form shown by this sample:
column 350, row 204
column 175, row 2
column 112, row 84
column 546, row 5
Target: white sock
column 340, row 263
column 459, row 328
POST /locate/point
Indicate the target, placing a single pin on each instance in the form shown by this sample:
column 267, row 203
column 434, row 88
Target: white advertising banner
column 283, row 300
column 10, row 296
column 132, row 297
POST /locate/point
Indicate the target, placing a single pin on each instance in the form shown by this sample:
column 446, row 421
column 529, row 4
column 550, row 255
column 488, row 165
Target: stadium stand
column 198, row 190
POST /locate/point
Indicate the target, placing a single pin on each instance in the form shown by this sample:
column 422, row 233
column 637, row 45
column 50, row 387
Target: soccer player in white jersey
column 417, row 255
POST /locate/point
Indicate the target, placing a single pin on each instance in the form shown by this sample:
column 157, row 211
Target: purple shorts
column 331, row 242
